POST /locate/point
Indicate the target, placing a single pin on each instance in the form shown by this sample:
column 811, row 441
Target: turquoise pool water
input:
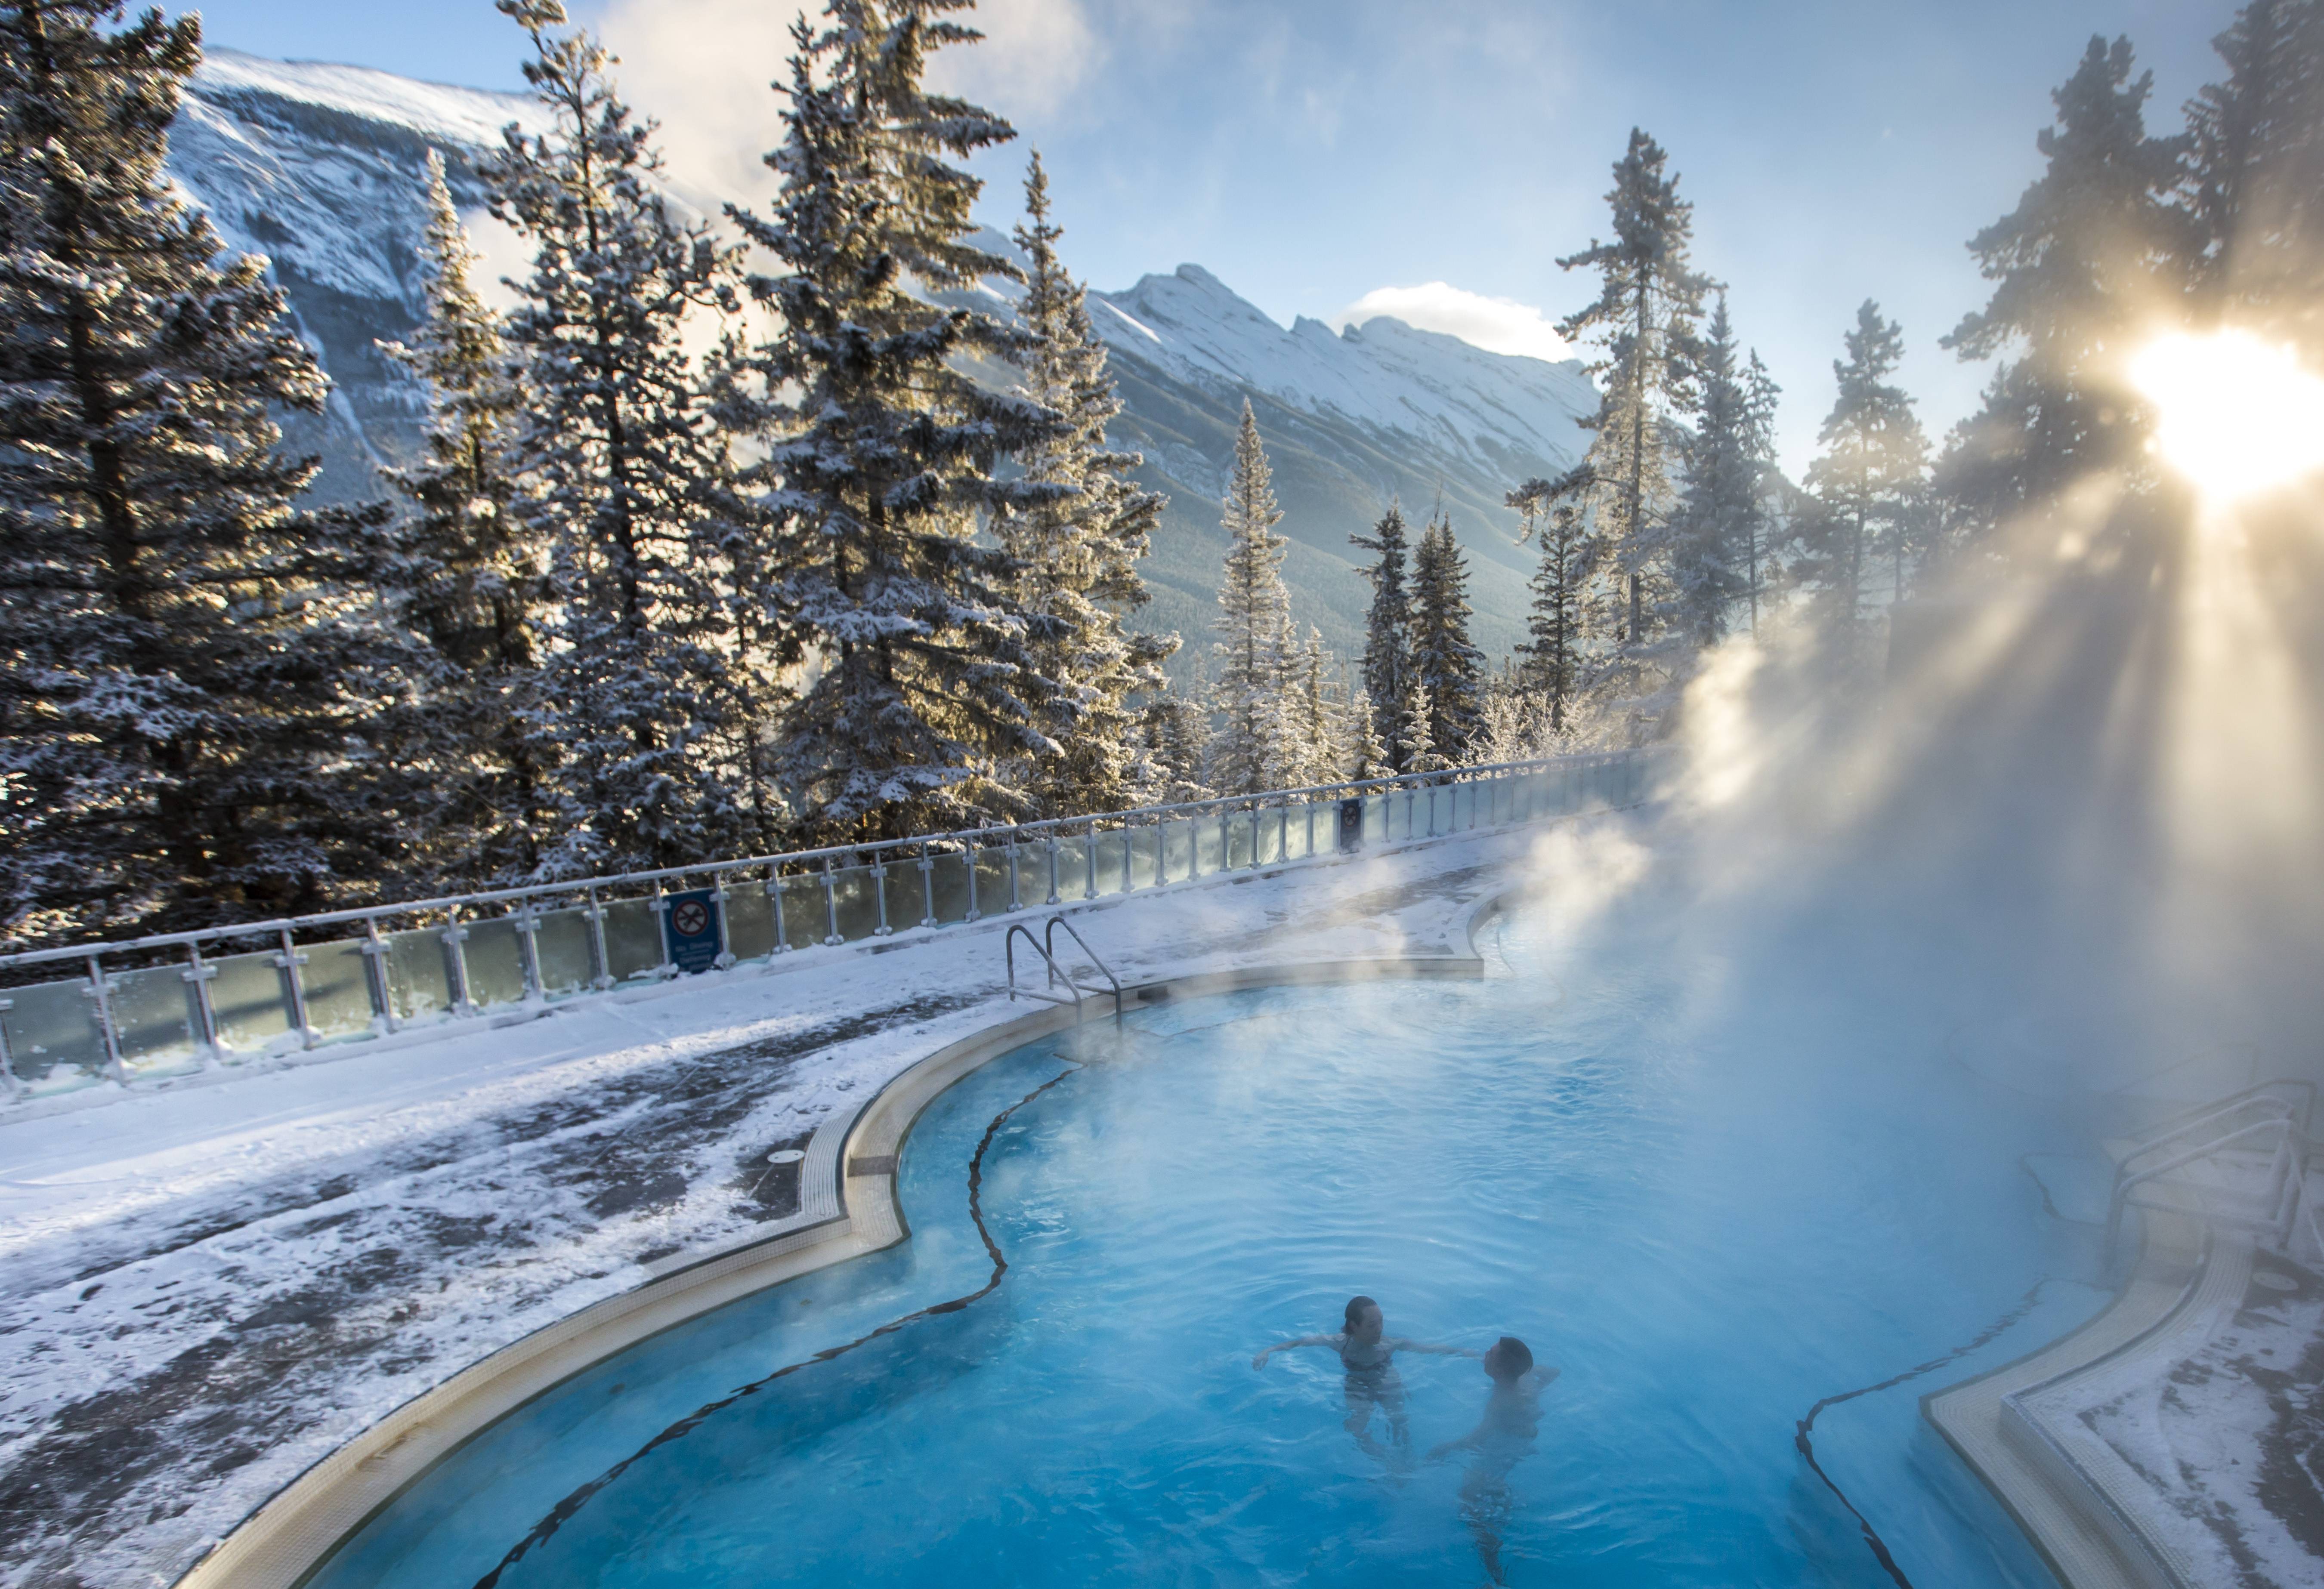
column 1708, row 1215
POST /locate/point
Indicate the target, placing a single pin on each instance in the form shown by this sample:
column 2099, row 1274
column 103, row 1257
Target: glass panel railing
column 568, row 960
column 337, row 980
column 1238, row 839
column 1108, row 853
column 749, row 919
column 1145, row 844
column 908, row 893
column 494, row 954
column 859, row 908
column 1178, row 851
column 632, row 939
column 1375, row 819
column 250, row 1002
column 418, row 978
column 1072, row 867
column 156, row 1021
column 992, row 879
column 1209, row 846
column 948, row 875
column 54, row 1042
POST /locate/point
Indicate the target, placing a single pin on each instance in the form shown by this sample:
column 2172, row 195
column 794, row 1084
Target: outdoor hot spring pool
column 1707, row 1226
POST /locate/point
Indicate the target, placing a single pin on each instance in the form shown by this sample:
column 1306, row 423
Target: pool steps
column 848, row 1208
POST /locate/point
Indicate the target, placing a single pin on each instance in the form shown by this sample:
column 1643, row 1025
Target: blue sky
column 1313, row 152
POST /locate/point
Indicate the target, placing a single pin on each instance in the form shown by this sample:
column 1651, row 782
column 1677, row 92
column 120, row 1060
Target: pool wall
column 848, row 1207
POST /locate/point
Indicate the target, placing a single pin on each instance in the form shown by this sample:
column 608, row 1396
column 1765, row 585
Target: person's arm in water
column 1335, row 1342
column 1528, row 1384
column 1398, row 1344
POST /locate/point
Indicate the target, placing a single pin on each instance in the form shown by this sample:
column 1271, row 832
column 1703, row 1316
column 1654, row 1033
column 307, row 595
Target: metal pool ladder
column 2241, row 1162
column 1046, row 947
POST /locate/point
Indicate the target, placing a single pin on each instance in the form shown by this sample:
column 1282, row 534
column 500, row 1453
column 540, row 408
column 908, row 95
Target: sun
column 2237, row 415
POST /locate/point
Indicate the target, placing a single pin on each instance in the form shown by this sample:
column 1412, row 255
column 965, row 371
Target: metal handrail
column 2261, row 1096
column 1050, row 943
column 2125, row 1184
column 1056, row 974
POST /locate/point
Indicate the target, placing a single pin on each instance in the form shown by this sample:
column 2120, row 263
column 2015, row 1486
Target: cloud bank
column 1497, row 325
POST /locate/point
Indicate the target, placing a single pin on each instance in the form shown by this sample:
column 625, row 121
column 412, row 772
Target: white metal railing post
column 831, row 902
column 373, row 949
column 1226, row 840
column 1089, row 861
column 1052, row 848
column 526, row 921
column 1161, row 851
column 15, row 1088
column 726, row 956
column 601, row 957
column 775, row 903
column 880, row 892
column 102, row 993
column 455, row 961
column 927, row 887
column 1016, row 899
column 289, row 960
column 198, row 977
column 968, row 859
column 1129, row 882
column 659, row 905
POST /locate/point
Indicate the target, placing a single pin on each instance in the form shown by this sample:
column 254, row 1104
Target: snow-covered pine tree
column 1312, row 754
column 1362, row 754
column 1078, row 554
column 1247, row 748
column 1869, row 482
column 1715, row 537
column 1388, row 625
column 1552, row 675
column 2257, row 164
column 879, row 452
column 1643, row 323
column 2095, row 244
column 611, row 444
column 1174, row 733
column 1762, row 562
column 1416, row 729
column 189, row 659
column 1451, row 669
column 471, row 584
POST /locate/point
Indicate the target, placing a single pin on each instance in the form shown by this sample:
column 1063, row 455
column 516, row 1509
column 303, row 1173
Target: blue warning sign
column 689, row 926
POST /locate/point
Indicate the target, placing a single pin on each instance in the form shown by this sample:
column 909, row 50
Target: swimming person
column 1367, row 1352
column 1502, row 1438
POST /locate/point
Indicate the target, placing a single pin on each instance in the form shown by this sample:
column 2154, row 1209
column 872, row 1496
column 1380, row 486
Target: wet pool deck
column 209, row 1288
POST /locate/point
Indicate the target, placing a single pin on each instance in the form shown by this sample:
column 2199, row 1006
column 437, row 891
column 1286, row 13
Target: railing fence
column 179, row 1003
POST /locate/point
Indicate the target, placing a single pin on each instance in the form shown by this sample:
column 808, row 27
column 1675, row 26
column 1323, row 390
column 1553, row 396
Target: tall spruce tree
column 1249, row 747
column 879, row 452
column 1552, row 676
column 612, row 442
column 472, row 583
column 1715, row 543
column 2095, row 246
column 1644, row 324
column 1869, row 482
column 1387, row 624
column 1078, row 554
column 188, row 659
column 2255, row 170
column 1450, row 669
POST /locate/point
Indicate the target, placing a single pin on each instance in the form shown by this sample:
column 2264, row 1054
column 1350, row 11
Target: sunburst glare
column 2236, row 414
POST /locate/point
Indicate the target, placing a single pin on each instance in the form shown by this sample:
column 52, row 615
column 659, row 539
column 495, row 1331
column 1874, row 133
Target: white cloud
column 1497, row 325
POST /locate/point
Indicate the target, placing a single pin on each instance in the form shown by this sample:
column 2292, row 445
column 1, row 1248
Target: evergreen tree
column 1364, row 755
column 1248, row 748
column 1387, row 626
column 1715, row 542
column 1552, row 675
column 1416, row 729
column 2093, row 247
column 880, row 450
column 1078, row 554
column 1449, row 667
column 1316, row 731
column 1173, row 733
column 1643, row 322
column 2255, row 168
column 188, row 659
column 612, row 443
column 472, row 583
column 1761, row 567
column 1869, row 482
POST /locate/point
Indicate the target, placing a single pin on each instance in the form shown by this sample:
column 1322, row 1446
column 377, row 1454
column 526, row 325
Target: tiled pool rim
column 848, row 1208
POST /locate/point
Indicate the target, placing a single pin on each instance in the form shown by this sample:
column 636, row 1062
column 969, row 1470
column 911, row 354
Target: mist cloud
column 1497, row 325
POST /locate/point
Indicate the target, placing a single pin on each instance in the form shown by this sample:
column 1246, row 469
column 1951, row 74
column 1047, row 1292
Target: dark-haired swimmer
column 1502, row 1438
column 1368, row 1354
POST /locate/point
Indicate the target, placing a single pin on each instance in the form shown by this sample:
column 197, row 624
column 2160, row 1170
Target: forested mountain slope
column 321, row 167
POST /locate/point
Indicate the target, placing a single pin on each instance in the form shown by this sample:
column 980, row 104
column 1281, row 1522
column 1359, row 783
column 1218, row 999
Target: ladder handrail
column 2125, row 1184
column 1049, row 938
column 1057, row 975
column 2250, row 1097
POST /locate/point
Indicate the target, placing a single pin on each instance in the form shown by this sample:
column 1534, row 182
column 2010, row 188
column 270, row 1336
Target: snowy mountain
column 321, row 168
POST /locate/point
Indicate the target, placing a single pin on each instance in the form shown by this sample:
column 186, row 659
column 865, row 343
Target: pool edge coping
column 843, row 1214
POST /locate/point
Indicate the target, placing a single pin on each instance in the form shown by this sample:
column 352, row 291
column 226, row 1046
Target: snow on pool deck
column 209, row 1288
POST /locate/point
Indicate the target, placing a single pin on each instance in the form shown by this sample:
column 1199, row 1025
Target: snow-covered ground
column 209, row 1288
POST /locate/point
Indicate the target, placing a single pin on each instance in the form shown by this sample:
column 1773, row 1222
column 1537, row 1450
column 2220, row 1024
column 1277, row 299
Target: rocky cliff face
column 321, row 167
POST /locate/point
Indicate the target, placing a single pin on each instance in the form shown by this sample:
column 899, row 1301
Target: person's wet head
column 1508, row 1360
column 1363, row 1320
